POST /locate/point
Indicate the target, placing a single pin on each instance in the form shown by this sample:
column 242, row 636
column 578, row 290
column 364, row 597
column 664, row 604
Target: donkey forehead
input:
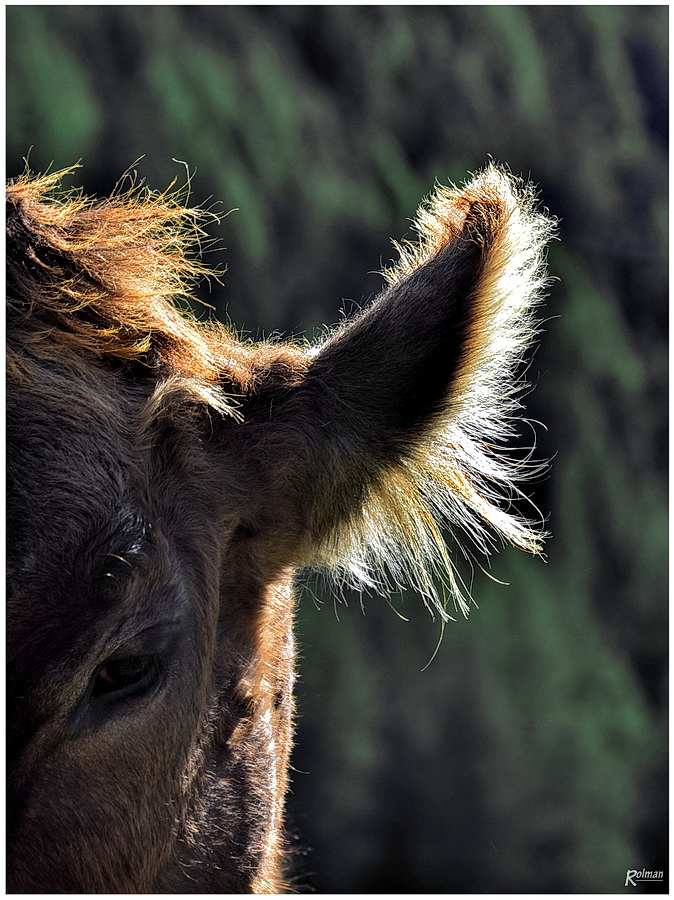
column 89, row 516
column 122, row 575
column 70, row 464
column 84, row 450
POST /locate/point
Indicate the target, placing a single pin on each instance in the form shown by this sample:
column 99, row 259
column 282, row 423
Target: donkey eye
column 128, row 676
column 133, row 674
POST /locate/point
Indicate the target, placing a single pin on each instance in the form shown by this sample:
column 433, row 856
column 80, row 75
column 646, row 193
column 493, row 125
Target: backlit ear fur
column 456, row 478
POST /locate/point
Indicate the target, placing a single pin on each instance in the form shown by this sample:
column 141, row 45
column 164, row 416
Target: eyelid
column 156, row 638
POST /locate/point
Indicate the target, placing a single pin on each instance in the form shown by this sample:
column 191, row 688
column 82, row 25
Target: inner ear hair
column 453, row 326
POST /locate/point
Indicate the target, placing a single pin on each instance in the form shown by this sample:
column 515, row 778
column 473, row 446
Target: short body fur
column 166, row 479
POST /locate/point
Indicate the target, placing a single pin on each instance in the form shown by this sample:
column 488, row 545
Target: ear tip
column 499, row 201
column 483, row 211
column 474, row 212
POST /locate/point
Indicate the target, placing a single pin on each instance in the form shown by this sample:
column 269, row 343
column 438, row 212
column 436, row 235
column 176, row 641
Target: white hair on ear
column 456, row 478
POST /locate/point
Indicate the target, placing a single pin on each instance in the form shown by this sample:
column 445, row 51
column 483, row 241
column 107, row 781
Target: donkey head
column 164, row 482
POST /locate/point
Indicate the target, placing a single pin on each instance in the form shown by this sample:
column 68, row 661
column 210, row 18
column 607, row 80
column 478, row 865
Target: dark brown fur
column 165, row 480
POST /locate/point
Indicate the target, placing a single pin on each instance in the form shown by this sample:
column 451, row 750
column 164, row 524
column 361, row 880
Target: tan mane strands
column 96, row 275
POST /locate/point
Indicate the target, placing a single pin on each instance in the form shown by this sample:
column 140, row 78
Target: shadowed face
column 123, row 715
column 154, row 525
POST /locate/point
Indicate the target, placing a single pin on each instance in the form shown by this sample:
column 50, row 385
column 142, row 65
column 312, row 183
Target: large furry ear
column 405, row 407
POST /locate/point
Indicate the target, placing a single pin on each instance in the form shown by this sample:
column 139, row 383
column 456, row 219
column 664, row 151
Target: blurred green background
column 530, row 756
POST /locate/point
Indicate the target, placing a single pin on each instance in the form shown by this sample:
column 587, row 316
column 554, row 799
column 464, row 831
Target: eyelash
column 126, row 677
column 130, row 677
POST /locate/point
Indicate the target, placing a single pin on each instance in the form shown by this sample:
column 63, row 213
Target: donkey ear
column 404, row 406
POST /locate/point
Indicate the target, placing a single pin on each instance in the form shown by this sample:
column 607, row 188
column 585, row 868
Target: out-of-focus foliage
column 530, row 755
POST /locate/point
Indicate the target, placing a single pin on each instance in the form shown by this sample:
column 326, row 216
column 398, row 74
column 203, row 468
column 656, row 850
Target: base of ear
column 456, row 480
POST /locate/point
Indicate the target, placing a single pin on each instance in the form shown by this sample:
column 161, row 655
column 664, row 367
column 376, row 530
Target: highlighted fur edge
column 457, row 480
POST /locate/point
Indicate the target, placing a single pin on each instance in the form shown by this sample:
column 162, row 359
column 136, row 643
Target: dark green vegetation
column 530, row 755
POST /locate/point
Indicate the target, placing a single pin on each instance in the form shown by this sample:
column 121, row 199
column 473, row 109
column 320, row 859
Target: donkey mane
column 94, row 276
column 101, row 271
